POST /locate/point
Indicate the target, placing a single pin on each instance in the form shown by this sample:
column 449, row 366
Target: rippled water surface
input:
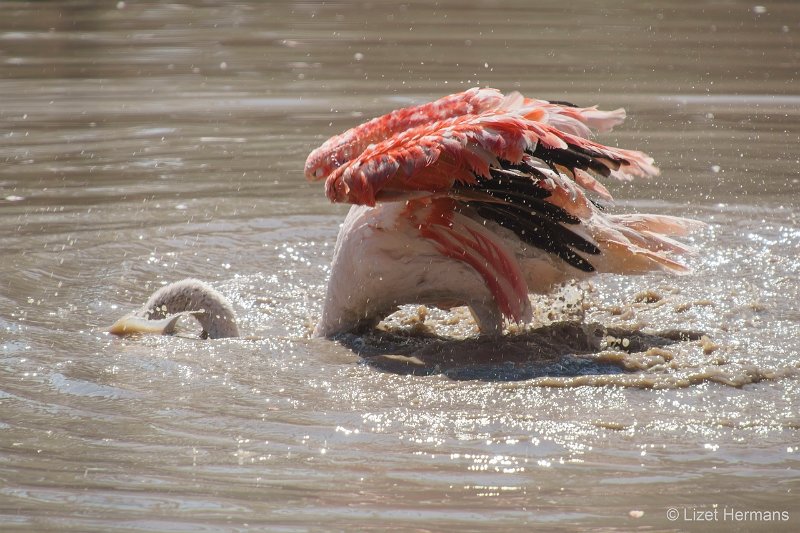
column 146, row 142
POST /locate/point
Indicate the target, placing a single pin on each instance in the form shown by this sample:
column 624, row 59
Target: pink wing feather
column 462, row 239
column 340, row 149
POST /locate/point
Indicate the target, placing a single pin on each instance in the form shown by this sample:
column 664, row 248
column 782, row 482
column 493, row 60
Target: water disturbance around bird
column 147, row 143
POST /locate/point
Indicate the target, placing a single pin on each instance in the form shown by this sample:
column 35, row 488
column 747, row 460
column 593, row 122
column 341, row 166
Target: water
column 143, row 143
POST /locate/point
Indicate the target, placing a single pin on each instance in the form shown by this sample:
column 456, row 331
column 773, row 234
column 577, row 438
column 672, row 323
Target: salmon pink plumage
column 476, row 199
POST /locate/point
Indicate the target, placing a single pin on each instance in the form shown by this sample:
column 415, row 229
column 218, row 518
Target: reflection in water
column 144, row 143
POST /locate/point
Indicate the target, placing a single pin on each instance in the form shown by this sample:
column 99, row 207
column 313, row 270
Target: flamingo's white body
column 477, row 199
column 380, row 262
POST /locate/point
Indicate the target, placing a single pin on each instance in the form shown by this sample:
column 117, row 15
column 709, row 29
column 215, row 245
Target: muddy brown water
column 146, row 142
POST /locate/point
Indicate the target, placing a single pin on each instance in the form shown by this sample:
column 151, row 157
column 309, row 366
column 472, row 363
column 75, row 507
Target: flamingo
column 478, row 199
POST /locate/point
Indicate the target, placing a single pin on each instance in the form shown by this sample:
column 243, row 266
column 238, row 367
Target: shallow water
column 143, row 143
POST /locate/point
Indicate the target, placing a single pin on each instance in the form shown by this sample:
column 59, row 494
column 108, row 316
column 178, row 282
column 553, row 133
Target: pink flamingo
column 477, row 199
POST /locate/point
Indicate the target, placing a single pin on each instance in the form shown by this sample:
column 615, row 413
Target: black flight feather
column 524, row 210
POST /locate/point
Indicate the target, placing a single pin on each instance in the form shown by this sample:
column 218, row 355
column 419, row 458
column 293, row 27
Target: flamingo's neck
column 211, row 308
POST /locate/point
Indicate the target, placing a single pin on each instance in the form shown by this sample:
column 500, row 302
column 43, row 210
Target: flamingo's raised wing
column 568, row 118
column 434, row 156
